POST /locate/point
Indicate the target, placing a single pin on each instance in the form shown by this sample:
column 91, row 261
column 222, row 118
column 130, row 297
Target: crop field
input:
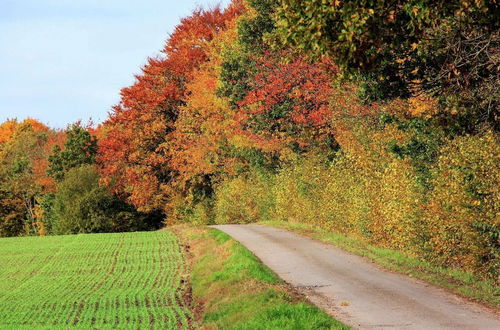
column 125, row 280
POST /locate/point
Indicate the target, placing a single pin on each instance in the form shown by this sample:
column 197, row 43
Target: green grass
column 129, row 280
column 235, row 290
column 461, row 282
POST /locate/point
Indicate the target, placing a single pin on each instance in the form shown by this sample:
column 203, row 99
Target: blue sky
column 66, row 60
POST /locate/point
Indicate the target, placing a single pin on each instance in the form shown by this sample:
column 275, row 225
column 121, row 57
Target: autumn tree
column 22, row 169
column 7, row 129
column 12, row 214
column 133, row 157
column 198, row 145
column 288, row 102
column 447, row 49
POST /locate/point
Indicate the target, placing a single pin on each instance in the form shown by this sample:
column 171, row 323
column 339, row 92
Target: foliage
column 370, row 195
column 31, row 158
column 464, row 207
column 126, row 280
column 256, row 23
column 80, row 148
column 46, row 206
column 12, row 215
column 374, row 119
column 239, row 56
column 23, row 162
column 7, row 129
column 446, row 48
column 136, row 166
column 287, row 103
column 244, row 199
column 370, row 192
column 81, row 205
column 202, row 127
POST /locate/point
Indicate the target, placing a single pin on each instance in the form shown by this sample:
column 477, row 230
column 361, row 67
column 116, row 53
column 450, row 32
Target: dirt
column 356, row 291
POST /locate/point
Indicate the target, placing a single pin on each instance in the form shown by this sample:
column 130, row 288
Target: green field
column 125, row 280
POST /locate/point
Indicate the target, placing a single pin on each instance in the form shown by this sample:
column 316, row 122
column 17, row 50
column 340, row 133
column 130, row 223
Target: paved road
column 356, row 291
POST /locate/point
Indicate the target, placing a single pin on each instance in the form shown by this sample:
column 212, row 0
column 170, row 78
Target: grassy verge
column 232, row 289
column 460, row 282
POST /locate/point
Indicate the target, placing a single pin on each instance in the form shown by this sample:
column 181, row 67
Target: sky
column 66, row 60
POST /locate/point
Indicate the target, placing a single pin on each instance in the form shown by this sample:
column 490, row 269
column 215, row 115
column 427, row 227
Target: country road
column 355, row 291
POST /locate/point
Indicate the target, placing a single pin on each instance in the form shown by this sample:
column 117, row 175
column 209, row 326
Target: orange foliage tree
column 133, row 158
column 23, row 166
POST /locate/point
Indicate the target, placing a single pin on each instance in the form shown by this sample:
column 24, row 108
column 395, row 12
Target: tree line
column 50, row 184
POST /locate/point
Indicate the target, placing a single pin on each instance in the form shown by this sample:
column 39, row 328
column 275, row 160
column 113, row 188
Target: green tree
column 80, row 148
column 81, row 205
column 238, row 60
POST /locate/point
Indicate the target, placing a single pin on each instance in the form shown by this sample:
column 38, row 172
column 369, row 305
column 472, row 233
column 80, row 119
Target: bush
column 297, row 189
column 182, row 209
column 366, row 191
column 81, row 205
column 465, row 204
column 244, row 199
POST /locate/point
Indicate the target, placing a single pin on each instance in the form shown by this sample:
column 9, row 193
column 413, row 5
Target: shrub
column 183, row 209
column 244, row 199
column 366, row 191
column 81, row 205
column 465, row 204
column 375, row 194
column 297, row 190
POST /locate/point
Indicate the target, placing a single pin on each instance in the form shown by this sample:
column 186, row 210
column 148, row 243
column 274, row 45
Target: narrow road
column 355, row 291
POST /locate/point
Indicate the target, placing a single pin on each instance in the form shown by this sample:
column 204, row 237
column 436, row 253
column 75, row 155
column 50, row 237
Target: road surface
column 355, row 291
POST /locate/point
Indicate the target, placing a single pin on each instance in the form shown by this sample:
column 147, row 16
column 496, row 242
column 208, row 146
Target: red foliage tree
column 132, row 157
column 288, row 102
